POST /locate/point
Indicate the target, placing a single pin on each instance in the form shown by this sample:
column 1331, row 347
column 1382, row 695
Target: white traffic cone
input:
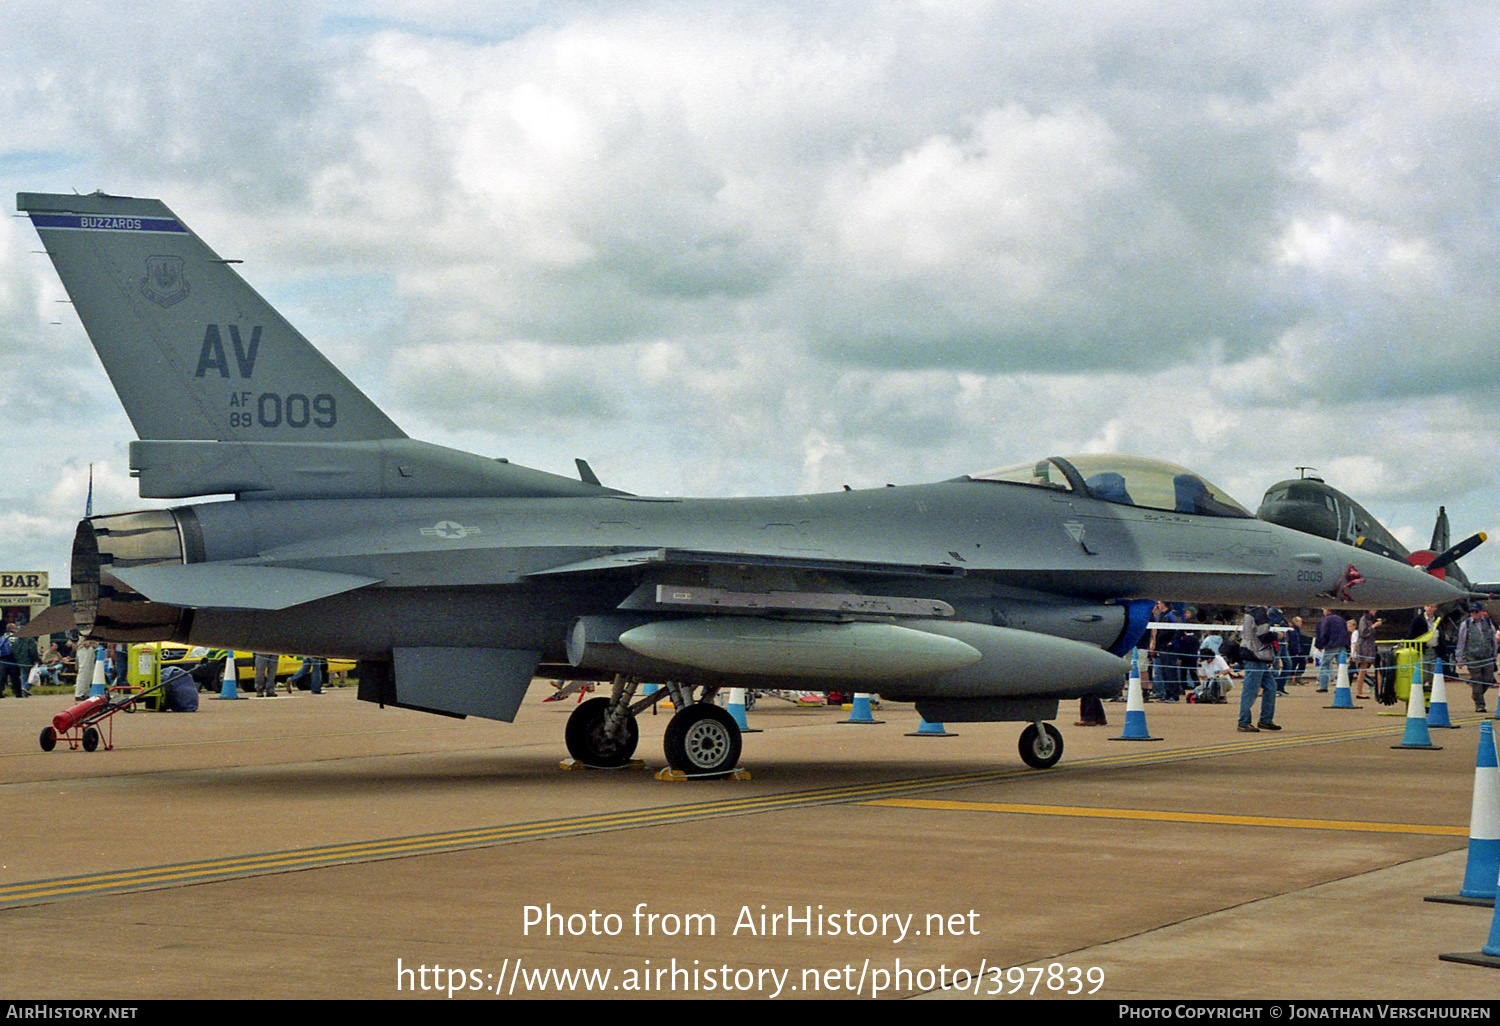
column 1437, row 711
column 1135, row 709
column 229, row 689
column 1416, row 735
column 1483, row 870
column 1342, row 698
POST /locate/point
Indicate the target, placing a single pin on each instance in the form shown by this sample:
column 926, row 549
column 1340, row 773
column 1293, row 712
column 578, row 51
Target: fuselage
column 981, row 546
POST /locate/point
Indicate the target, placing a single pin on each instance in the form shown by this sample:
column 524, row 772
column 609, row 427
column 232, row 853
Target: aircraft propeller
column 1436, row 564
column 1371, row 545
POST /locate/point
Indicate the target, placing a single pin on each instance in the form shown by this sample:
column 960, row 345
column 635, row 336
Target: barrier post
column 1488, row 955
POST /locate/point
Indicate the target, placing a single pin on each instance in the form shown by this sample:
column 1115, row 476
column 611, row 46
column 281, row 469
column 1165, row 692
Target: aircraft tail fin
column 1441, row 533
column 191, row 349
column 225, row 395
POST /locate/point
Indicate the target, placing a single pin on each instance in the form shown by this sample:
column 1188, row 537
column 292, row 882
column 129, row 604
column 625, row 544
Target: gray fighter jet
column 454, row 579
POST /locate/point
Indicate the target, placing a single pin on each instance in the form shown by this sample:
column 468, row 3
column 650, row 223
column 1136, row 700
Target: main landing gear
column 596, row 739
column 700, row 740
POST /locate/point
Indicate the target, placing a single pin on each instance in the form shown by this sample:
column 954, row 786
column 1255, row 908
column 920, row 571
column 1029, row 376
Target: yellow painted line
column 876, row 793
column 1162, row 816
column 207, row 870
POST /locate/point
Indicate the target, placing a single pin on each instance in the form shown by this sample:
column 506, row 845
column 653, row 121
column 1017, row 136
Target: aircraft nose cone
column 1390, row 584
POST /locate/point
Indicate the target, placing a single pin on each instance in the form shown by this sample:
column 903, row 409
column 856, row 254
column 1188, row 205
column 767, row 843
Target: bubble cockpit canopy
column 1128, row 480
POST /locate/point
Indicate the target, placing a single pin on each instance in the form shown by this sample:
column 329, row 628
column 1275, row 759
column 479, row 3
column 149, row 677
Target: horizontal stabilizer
column 395, row 468
column 49, row 621
column 235, row 586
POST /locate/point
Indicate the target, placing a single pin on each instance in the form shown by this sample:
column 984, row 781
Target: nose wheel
column 1041, row 746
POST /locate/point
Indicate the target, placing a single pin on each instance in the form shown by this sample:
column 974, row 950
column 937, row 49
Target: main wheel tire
column 587, row 741
column 90, row 739
column 1040, row 749
column 702, row 740
column 48, row 739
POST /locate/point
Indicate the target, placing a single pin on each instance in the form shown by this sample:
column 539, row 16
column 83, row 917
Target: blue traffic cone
column 1492, row 949
column 1342, row 698
column 1489, row 954
column 1135, row 709
column 736, row 708
column 860, row 712
column 1416, row 735
column 1437, row 712
column 1483, row 871
column 651, row 689
column 99, row 685
column 928, row 729
column 229, row 687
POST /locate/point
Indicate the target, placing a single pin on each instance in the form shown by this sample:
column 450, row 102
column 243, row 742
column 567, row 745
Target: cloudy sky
column 729, row 248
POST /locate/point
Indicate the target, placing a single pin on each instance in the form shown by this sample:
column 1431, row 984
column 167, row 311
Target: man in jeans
column 1257, row 653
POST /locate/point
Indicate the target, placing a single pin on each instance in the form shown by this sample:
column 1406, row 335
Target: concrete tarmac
column 312, row 847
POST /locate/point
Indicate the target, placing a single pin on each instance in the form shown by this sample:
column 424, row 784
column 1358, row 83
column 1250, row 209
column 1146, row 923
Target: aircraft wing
column 236, row 586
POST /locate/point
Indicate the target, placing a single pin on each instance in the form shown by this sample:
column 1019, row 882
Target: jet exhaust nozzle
column 104, row 608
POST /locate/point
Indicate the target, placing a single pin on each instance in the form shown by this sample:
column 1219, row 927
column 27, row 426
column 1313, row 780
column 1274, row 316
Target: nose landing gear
column 1041, row 746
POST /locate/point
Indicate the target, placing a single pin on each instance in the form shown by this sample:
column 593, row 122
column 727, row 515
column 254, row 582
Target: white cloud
column 736, row 248
column 983, row 208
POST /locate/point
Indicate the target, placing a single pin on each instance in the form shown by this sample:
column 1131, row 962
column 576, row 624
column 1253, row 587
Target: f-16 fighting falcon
column 454, row 579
